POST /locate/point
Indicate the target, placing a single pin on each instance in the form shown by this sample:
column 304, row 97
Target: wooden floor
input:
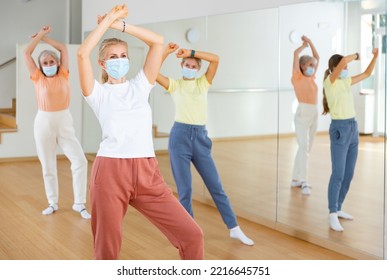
column 256, row 175
column 26, row 234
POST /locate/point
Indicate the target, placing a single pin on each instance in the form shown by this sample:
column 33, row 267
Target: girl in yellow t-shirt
column 343, row 131
column 188, row 140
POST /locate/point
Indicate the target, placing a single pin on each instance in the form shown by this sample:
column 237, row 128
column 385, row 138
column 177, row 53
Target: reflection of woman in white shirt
column 305, row 119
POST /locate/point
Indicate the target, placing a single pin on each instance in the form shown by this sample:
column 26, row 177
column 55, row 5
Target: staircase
column 8, row 119
column 158, row 134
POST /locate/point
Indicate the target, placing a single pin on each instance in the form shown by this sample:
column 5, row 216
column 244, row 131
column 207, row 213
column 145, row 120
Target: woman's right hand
column 45, row 29
column 305, row 41
column 116, row 13
column 170, row 48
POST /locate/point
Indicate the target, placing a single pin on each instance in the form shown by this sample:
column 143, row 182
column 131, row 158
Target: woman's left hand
column 183, row 53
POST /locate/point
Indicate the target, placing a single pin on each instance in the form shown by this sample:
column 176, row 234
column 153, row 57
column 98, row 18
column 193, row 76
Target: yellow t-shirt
column 340, row 98
column 190, row 99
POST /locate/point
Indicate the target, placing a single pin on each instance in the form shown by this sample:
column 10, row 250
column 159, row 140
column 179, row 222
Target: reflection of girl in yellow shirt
column 189, row 141
column 305, row 119
column 343, row 131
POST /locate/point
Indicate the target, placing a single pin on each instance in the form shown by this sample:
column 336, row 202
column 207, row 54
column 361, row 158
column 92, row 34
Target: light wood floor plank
column 26, row 234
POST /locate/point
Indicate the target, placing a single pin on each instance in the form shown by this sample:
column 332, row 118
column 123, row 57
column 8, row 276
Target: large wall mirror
column 252, row 106
column 360, row 30
column 243, row 104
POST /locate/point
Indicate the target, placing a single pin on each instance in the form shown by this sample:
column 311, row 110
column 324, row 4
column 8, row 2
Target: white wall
column 7, row 85
column 148, row 11
column 20, row 20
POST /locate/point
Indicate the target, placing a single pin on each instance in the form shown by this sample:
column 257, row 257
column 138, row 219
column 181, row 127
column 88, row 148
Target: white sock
column 237, row 233
column 79, row 207
column 296, row 183
column 344, row 215
column 50, row 209
column 334, row 222
column 305, row 188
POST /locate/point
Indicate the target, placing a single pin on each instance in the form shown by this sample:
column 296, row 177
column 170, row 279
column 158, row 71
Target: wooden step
column 10, row 111
column 7, row 124
column 158, row 134
column 7, row 120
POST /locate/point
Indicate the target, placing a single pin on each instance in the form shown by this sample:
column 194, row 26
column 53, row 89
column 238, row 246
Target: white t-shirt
column 125, row 117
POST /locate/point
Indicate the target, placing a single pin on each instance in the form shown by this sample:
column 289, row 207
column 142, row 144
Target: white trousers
column 50, row 130
column 305, row 123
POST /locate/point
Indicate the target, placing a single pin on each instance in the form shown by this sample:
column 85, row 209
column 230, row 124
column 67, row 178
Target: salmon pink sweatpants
column 117, row 182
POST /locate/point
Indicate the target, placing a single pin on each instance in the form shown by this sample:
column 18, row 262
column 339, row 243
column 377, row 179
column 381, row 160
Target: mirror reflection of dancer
column 306, row 117
column 53, row 124
column 343, row 131
column 188, row 138
column 125, row 171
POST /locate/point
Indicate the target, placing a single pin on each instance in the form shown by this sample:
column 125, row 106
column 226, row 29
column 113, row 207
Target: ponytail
column 104, row 76
column 324, row 101
column 332, row 63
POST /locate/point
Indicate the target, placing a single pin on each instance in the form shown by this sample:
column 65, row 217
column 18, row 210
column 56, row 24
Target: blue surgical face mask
column 50, row 71
column 344, row 74
column 309, row 71
column 117, row 67
column 189, row 73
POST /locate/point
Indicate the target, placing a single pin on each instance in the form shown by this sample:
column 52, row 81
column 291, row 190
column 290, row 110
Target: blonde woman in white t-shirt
column 126, row 171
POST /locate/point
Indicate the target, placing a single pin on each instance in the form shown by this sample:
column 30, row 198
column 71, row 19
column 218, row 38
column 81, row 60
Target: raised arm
column 85, row 68
column 368, row 71
column 342, row 64
column 213, row 60
column 62, row 49
column 313, row 49
column 155, row 42
column 162, row 80
column 296, row 56
column 31, row 65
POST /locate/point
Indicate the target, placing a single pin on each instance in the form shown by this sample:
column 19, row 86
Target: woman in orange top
column 305, row 119
column 53, row 122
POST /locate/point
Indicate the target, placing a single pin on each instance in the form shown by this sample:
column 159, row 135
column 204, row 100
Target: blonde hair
column 102, row 52
column 198, row 60
column 304, row 60
column 46, row 53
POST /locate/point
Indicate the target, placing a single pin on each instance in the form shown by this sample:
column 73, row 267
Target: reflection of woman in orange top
column 53, row 123
column 305, row 119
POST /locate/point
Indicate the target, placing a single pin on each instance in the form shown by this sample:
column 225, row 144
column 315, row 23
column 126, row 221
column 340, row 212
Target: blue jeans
column 190, row 143
column 344, row 136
